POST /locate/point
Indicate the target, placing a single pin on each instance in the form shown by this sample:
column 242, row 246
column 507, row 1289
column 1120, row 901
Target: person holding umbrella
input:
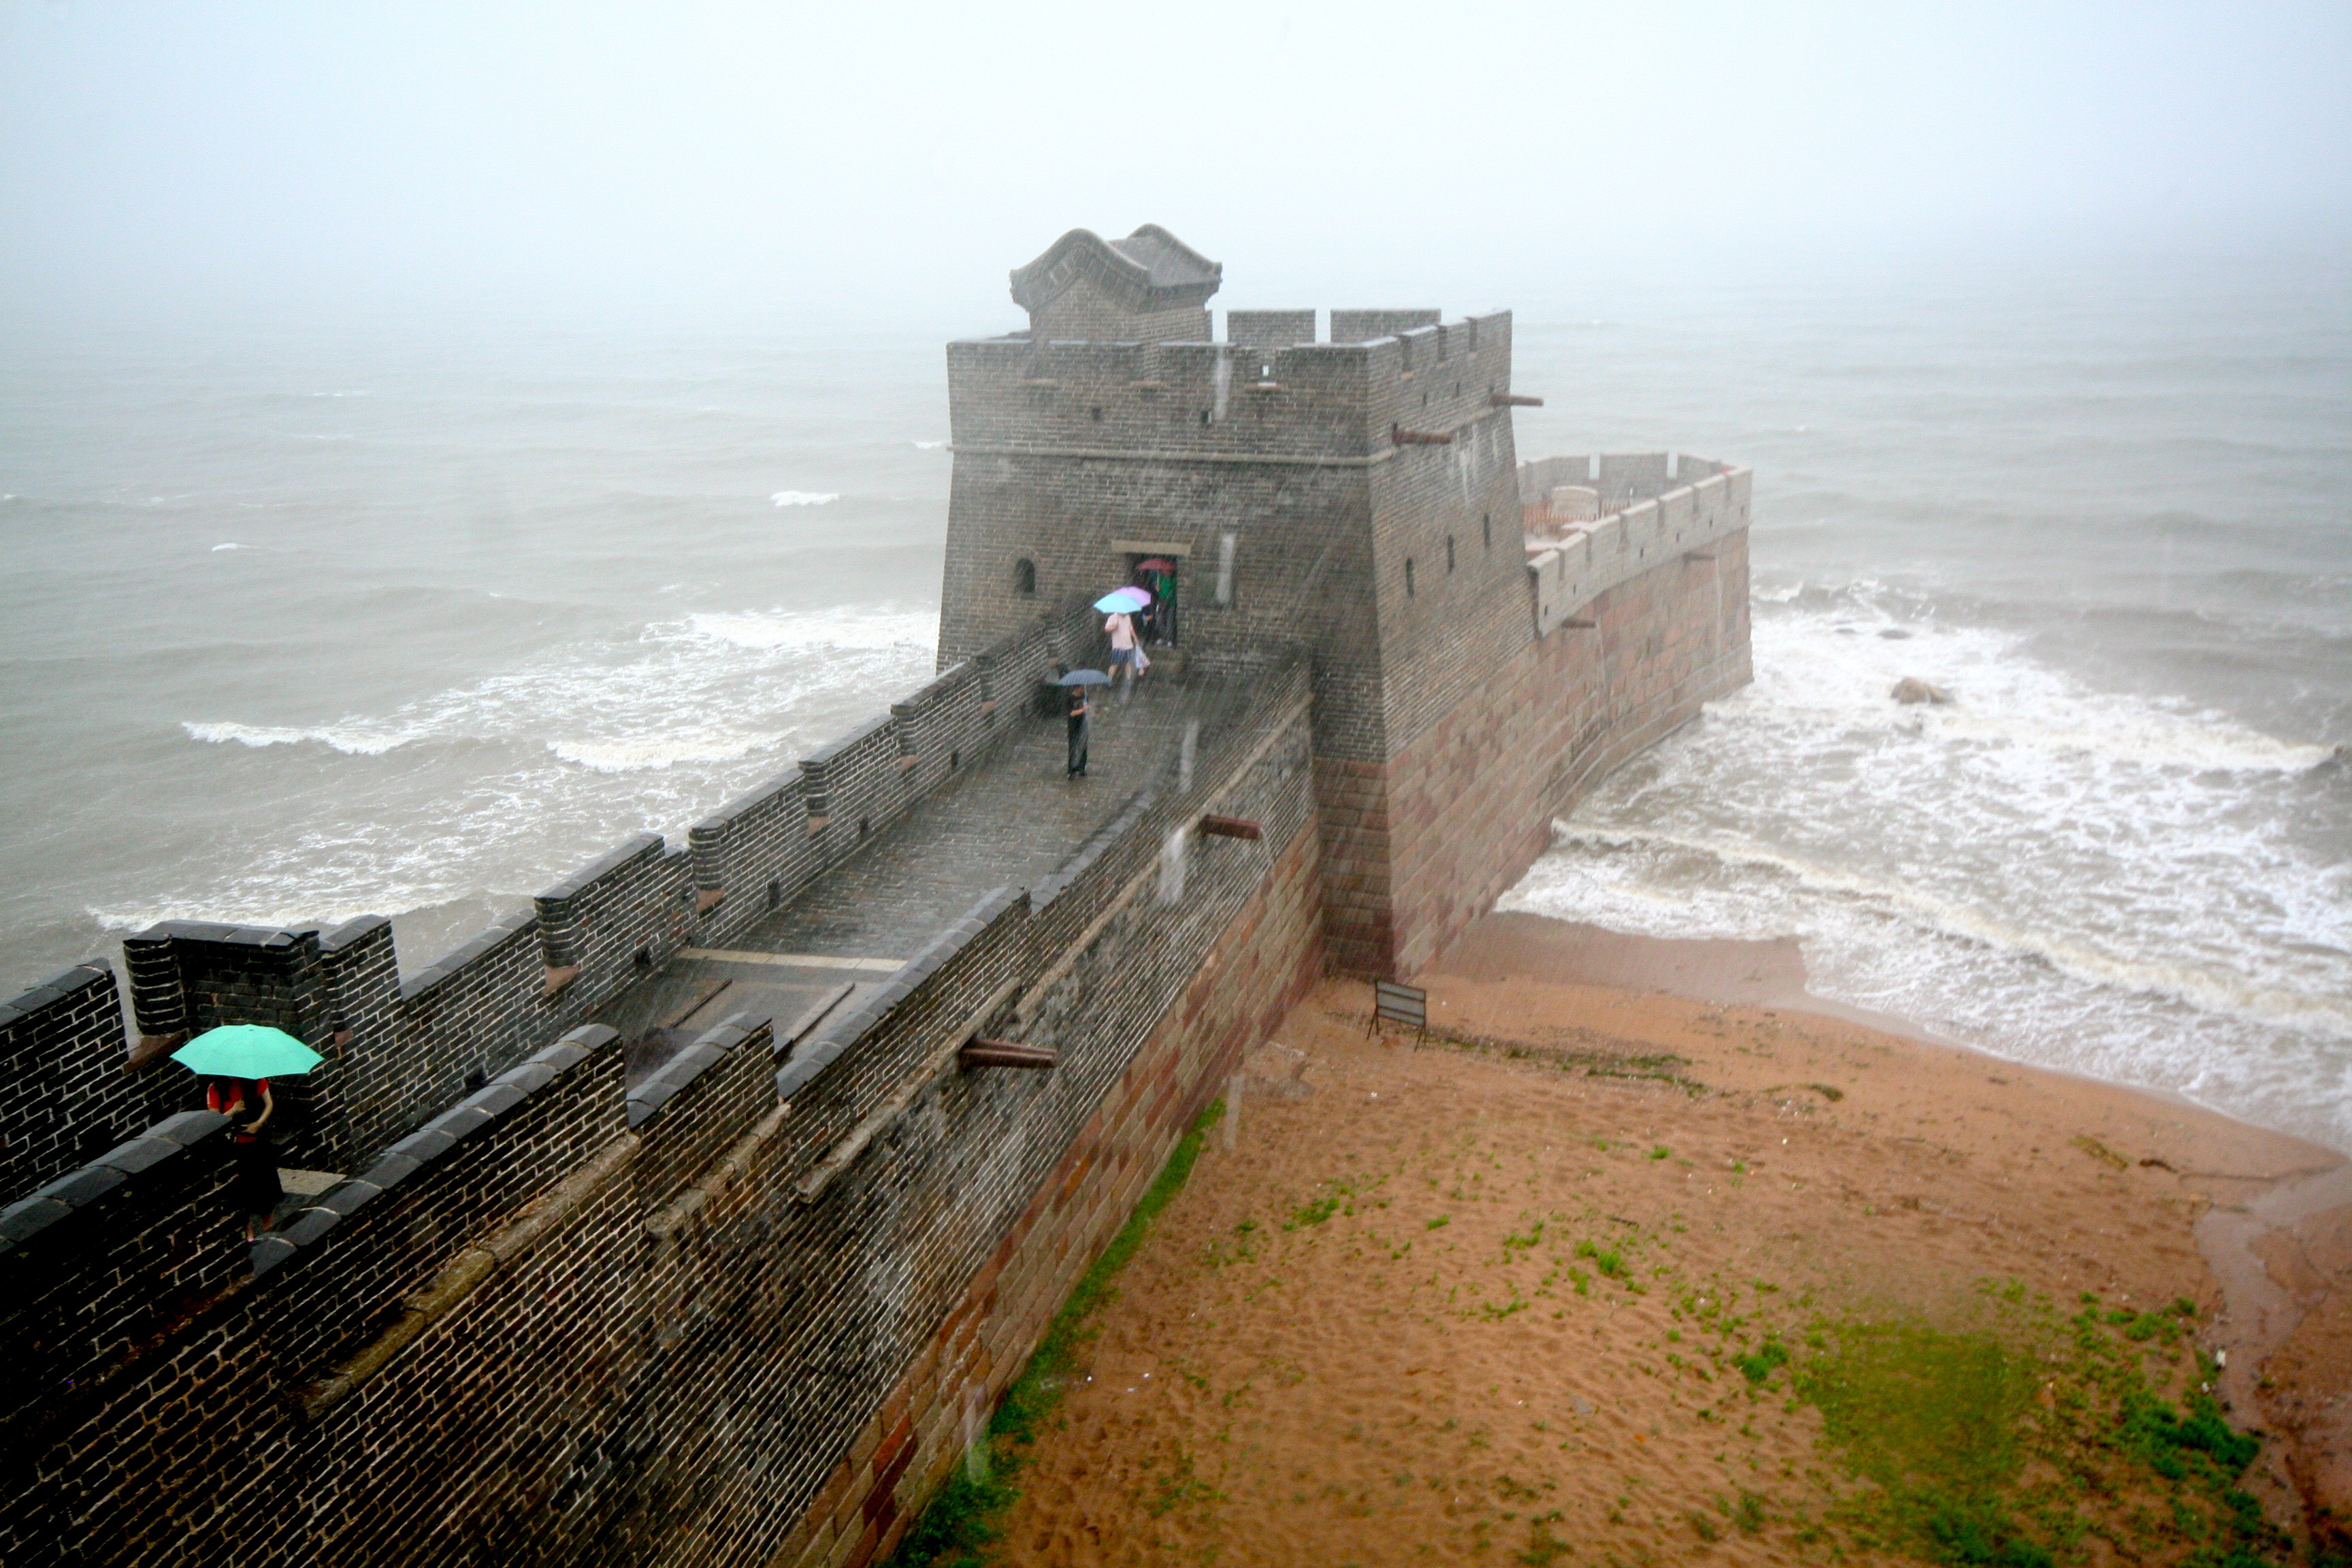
column 1077, row 680
column 237, row 1062
column 1157, row 577
column 1126, row 649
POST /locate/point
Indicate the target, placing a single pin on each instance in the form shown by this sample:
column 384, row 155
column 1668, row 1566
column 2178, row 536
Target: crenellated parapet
column 1256, row 399
column 1659, row 510
column 396, row 1048
column 561, row 1264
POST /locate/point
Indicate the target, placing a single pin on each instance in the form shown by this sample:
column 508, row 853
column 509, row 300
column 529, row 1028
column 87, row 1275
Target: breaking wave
column 868, row 627
column 353, row 742
column 2095, row 881
column 662, row 751
column 804, row 498
column 507, row 781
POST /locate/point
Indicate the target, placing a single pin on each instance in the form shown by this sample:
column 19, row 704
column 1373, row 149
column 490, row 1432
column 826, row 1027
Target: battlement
column 1657, row 509
column 396, row 1048
column 1253, row 400
column 590, row 1230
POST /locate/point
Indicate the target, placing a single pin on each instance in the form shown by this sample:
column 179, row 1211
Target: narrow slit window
column 1408, row 577
column 1449, row 553
column 1487, row 531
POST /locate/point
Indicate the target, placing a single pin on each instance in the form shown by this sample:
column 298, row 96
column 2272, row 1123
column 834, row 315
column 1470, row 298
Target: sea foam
column 2091, row 880
column 855, row 626
column 351, row 741
column 666, row 751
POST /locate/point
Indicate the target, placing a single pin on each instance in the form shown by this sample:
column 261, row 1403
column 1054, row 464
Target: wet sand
column 1372, row 1329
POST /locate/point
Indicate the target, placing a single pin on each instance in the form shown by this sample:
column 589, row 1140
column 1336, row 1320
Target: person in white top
column 1126, row 656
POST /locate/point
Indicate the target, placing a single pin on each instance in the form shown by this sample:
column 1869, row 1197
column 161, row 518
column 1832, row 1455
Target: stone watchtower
column 1357, row 494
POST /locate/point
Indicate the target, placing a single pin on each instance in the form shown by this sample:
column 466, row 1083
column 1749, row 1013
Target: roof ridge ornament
column 1150, row 270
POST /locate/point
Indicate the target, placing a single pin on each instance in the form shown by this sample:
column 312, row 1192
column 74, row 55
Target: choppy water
column 302, row 623
column 2114, row 518
column 311, row 620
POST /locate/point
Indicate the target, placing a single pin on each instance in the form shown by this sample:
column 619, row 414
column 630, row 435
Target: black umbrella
column 1084, row 678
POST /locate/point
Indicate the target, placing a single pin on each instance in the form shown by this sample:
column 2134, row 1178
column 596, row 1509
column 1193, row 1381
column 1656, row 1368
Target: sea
column 307, row 614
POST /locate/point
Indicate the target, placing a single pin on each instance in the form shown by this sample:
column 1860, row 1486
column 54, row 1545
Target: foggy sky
column 855, row 162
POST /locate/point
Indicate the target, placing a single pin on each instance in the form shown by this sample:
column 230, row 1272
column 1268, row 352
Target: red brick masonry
column 1263, row 964
column 1423, row 845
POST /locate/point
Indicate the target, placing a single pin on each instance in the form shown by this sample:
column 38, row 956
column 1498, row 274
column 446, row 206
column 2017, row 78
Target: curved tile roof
column 1151, row 270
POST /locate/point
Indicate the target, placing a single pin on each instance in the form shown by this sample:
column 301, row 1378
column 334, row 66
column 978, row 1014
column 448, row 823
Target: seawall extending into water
column 679, row 1220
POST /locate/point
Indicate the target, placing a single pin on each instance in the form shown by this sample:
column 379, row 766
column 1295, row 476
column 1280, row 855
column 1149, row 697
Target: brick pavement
column 1007, row 822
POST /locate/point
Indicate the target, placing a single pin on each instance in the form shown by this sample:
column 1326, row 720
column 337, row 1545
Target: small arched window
column 1025, row 577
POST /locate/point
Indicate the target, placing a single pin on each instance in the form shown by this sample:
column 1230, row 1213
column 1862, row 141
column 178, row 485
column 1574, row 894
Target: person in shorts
column 1125, row 651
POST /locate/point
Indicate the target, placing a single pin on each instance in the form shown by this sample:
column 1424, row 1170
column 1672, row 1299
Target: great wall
column 678, row 1221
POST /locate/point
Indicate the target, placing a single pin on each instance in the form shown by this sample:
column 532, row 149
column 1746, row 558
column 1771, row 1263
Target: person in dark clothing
column 1079, row 709
column 256, row 1188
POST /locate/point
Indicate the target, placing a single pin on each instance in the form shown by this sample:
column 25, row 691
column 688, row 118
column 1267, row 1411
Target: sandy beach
column 1650, row 1258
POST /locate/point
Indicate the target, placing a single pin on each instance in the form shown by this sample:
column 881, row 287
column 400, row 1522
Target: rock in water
column 1911, row 689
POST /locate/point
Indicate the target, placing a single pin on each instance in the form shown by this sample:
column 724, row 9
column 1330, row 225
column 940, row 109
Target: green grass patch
column 958, row 1525
column 1315, row 1213
column 2007, row 1438
column 1767, row 1359
column 1604, row 1259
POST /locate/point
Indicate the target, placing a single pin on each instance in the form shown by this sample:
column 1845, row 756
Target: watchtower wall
column 1357, row 496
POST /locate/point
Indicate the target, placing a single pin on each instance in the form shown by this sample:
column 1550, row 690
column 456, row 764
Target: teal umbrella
column 246, row 1050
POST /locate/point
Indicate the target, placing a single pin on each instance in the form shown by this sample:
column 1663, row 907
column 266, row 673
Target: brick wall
column 1263, row 964
column 68, row 1091
column 691, row 1322
column 397, row 1048
column 1399, row 564
column 1418, row 848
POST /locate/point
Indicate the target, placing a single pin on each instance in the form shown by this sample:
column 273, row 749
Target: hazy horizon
column 888, row 168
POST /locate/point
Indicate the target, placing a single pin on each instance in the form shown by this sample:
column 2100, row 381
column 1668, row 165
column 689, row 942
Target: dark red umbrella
column 1157, row 564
